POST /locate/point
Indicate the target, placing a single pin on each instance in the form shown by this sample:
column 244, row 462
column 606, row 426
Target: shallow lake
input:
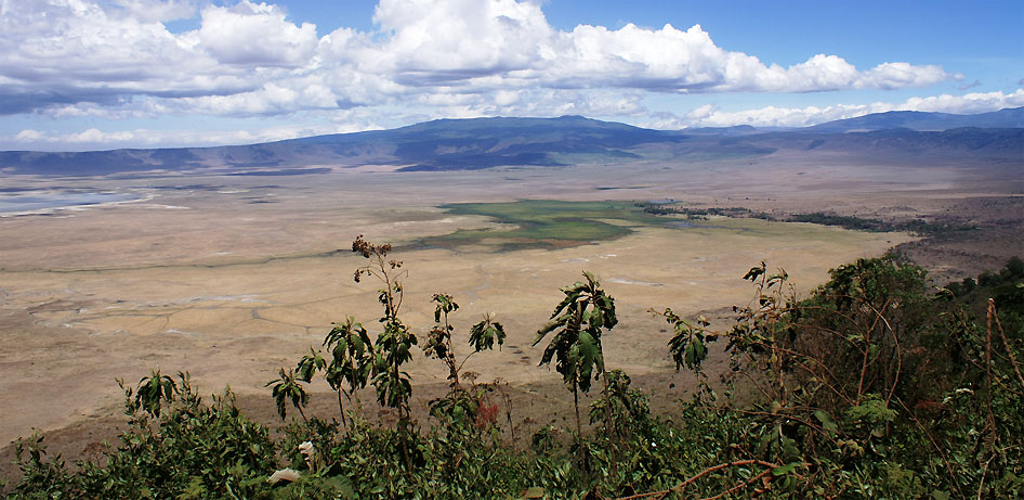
column 48, row 200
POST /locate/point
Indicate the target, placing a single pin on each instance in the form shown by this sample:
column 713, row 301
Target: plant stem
column 579, row 435
column 609, row 423
column 341, row 410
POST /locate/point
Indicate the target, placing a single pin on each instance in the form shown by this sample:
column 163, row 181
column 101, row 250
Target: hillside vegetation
column 872, row 386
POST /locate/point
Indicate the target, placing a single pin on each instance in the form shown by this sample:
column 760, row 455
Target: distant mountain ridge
column 921, row 121
column 479, row 143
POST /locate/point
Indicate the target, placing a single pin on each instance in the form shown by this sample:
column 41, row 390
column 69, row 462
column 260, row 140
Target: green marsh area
column 547, row 223
column 558, row 224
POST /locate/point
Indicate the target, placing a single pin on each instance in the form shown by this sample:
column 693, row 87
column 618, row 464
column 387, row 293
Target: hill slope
column 915, row 120
column 548, row 142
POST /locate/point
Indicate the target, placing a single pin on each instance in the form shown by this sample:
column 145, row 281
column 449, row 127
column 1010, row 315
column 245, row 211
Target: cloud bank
column 355, row 121
column 118, row 59
column 771, row 116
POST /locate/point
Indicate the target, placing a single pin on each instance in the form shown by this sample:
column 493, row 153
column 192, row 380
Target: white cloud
column 270, row 99
column 256, row 35
column 136, row 108
column 701, row 112
column 533, row 102
column 458, row 39
column 898, row 75
column 525, row 102
column 94, row 139
column 772, row 116
column 976, row 102
column 149, row 11
column 69, row 52
column 29, row 136
column 95, row 136
column 83, row 57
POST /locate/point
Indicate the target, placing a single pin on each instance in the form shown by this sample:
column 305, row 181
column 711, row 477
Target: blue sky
column 90, row 74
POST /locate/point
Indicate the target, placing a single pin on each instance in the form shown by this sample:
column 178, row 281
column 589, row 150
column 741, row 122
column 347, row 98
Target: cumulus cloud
column 57, row 53
column 673, row 60
column 29, row 136
column 80, row 56
column 95, row 139
column 773, row 116
column 257, row 35
column 149, row 11
column 456, row 40
column 976, row 102
column 460, row 41
column 533, row 102
column 270, row 99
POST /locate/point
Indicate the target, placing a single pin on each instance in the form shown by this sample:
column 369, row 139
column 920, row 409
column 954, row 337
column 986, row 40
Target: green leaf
column 755, row 272
column 785, row 469
column 548, row 328
column 589, row 349
column 826, row 421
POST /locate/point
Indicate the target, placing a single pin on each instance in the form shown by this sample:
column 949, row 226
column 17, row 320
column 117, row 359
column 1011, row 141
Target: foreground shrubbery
column 872, row 386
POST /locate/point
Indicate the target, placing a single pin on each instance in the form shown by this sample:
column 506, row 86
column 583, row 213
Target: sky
column 80, row 75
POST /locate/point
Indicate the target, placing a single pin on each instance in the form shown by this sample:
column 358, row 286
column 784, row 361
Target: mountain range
column 916, row 120
column 479, row 143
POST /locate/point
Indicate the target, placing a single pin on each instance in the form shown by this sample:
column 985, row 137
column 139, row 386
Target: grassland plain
column 232, row 277
column 234, row 321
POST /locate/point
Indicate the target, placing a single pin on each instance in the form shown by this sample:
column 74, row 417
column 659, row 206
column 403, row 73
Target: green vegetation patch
column 915, row 226
column 546, row 223
column 554, row 224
